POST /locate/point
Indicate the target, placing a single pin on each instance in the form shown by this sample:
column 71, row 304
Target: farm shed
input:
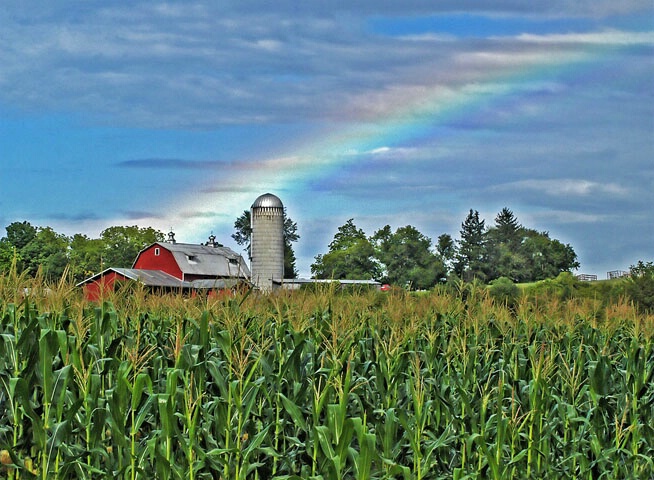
column 105, row 281
column 296, row 283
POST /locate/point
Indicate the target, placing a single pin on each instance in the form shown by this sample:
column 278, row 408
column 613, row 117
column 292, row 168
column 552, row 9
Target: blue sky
column 180, row 114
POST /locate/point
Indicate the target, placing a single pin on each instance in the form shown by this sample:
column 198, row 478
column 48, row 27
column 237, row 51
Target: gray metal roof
column 218, row 283
column 267, row 200
column 207, row 260
column 157, row 278
column 303, row 281
column 150, row 278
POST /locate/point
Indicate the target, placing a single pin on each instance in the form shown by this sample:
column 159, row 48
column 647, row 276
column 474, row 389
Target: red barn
column 171, row 266
column 190, row 262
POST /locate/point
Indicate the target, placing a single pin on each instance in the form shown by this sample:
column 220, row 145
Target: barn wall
column 165, row 261
column 94, row 291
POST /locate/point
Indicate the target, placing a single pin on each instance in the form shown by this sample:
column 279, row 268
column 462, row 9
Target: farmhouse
column 171, row 266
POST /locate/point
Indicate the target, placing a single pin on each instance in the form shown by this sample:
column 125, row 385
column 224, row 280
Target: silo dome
column 267, row 241
column 267, row 200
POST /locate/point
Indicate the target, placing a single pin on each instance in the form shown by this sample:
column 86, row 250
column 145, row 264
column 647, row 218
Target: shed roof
column 157, row 278
column 150, row 278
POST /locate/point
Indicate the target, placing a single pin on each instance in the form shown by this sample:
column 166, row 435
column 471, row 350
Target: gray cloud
column 141, row 214
column 169, row 164
column 202, row 65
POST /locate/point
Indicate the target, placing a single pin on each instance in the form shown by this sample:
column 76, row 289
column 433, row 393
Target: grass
column 322, row 384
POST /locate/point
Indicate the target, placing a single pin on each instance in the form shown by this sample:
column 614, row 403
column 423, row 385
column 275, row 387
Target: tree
column 545, row 257
column 243, row 236
column 471, row 254
column 121, row 245
column 85, row 257
column 507, row 229
column 350, row 256
column 19, row 234
column 505, row 258
column 640, row 285
column 34, row 248
column 446, row 248
column 407, row 258
column 47, row 250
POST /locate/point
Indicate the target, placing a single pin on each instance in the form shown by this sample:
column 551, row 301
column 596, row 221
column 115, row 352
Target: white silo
column 267, row 242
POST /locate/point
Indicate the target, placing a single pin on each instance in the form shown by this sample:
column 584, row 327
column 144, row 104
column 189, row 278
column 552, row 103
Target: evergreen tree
column 471, row 253
column 506, row 229
column 505, row 258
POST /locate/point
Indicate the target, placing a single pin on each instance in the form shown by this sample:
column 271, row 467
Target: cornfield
column 322, row 385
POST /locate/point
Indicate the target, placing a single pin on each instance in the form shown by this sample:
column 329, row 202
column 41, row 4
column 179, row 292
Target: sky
column 178, row 115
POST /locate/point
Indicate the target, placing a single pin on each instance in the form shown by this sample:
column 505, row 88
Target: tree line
column 31, row 249
column 403, row 257
column 407, row 257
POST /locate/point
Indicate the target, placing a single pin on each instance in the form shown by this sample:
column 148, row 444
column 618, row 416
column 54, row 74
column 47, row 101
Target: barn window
column 157, row 251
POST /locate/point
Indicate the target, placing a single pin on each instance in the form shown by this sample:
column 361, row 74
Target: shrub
column 503, row 290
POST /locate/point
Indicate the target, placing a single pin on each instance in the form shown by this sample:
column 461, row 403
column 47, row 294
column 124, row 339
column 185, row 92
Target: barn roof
column 207, row 260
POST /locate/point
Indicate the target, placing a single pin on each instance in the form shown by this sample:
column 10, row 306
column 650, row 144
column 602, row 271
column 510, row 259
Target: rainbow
column 402, row 117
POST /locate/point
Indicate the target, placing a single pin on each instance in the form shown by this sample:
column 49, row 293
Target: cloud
column 141, row 215
column 607, row 37
column 558, row 217
column 169, row 163
column 566, row 187
column 74, row 218
column 205, row 65
column 205, row 214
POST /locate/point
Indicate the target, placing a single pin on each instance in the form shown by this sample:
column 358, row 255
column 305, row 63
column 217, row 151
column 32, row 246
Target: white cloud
column 607, row 37
column 565, row 187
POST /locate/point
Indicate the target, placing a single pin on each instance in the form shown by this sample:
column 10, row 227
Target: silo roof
column 267, row 200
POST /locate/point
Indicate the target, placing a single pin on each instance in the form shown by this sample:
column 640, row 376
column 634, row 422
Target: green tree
column 471, row 253
column 33, row 248
column 640, row 285
column 19, row 234
column 47, row 250
column 350, row 256
column 446, row 248
column 407, row 258
column 243, row 236
column 504, row 241
column 85, row 257
column 121, row 245
column 546, row 257
column 506, row 229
